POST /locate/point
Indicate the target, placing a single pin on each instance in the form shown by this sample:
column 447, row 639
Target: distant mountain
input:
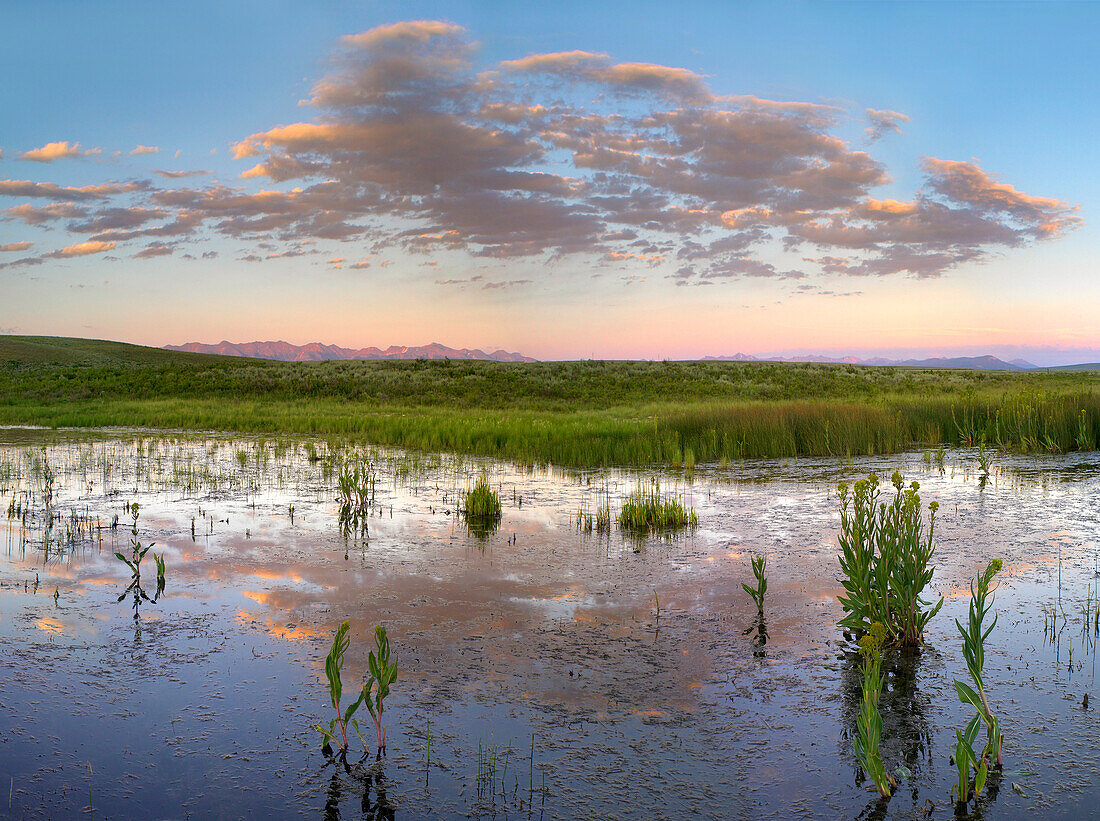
column 984, row 363
column 737, row 357
column 317, row 352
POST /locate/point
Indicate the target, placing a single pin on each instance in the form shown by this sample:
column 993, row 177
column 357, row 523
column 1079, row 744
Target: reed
column 650, row 510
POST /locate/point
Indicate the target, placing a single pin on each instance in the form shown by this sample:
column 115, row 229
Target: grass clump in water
column 481, row 504
column 648, row 510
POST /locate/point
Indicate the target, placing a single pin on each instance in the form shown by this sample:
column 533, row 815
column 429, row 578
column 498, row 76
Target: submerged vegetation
column 568, row 413
column 885, row 557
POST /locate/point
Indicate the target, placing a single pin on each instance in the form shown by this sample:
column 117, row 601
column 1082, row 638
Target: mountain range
column 317, row 351
column 985, row 363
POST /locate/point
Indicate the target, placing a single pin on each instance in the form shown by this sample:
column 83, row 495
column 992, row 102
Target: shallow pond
column 536, row 678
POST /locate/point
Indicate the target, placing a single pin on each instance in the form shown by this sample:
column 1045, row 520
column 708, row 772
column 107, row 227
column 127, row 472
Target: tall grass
column 480, row 503
column 649, row 509
column 579, row 414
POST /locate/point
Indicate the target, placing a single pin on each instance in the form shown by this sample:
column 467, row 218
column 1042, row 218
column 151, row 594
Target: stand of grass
column 481, row 503
column 582, row 414
column 649, row 510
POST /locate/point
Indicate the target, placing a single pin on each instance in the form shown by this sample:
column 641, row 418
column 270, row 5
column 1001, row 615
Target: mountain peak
column 319, row 351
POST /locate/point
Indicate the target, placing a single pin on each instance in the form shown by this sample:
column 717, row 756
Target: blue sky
column 1007, row 89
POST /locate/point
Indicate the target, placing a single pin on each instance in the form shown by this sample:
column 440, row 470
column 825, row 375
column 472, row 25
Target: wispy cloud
column 884, row 122
column 144, row 149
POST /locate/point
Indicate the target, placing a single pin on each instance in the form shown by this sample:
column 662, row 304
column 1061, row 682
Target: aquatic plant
column 885, row 556
column 869, row 720
column 985, row 458
column 648, row 509
column 759, row 564
column 159, row 559
column 481, row 503
column 334, row 666
column 974, row 638
column 383, row 673
column 138, row 551
column 965, row 761
column 356, row 485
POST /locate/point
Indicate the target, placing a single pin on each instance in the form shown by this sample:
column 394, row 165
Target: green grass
column 649, row 510
column 481, row 503
column 589, row 413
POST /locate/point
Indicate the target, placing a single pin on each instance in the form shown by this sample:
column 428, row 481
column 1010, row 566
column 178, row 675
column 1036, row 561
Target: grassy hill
column 64, row 350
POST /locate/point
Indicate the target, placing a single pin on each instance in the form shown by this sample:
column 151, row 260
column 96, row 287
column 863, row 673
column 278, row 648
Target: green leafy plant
column 159, row 559
column 974, row 636
column 885, row 555
column 138, row 551
column 759, row 565
column 334, row 665
column 383, row 673
column 869, row 720
column 965, row 761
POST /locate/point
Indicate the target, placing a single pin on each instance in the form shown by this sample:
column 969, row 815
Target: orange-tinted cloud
column 143, row 149
column 16, row 246
column 55, row 151
column 81, row 249
column 411, row 144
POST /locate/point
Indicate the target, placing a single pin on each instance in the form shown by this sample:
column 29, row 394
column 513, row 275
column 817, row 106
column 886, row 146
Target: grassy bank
column 570, row 413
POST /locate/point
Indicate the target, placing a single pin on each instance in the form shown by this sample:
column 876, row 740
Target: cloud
column 143, row 149
column 176, row 175
column 408, row 142
column 49, row 190
column 82, row 249
column 884, row 122
column 40, row 215
column 56, row 151
column 156, row 249
column 16, row 246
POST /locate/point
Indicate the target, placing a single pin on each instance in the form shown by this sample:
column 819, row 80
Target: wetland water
column 536, row 642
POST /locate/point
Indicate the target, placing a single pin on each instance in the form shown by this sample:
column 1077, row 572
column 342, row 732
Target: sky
column 566, row 180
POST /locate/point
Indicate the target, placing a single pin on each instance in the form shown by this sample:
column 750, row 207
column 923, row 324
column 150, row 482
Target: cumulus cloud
column 143, row 149
column 16, row 246
column 56, row 151
column 409, row 142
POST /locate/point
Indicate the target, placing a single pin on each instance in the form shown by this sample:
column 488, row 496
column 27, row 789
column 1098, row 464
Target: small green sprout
column 759, row 565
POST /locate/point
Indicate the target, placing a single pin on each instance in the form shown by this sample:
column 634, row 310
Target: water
column 535, row 642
